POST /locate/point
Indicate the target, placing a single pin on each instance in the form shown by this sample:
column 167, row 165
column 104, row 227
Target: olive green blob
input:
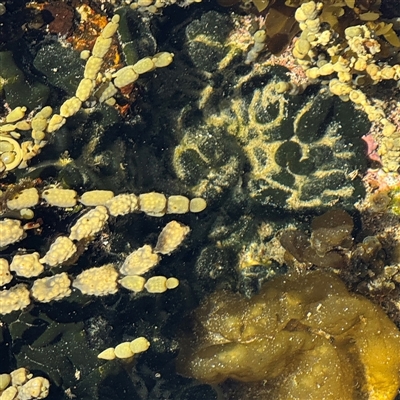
column 18, row 91
column 302, row 336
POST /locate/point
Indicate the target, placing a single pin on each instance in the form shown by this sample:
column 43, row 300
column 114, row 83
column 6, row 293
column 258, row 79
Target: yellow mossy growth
column 301, row 336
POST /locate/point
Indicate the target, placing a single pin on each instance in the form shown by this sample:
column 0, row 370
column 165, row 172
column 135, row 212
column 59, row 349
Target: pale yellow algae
column 27, row 265
column 11, row 231
column 97, row 281
column 61, row 250
column 89, row 224
column 60, row 197
column 140, row 261
column 51, row 288
column 171, row 237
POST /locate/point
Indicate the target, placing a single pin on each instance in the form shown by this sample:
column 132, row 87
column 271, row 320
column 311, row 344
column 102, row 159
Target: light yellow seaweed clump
column 10, row 393
column 92, row 67
column 97, row 281
column 20, row 376
column 140, row 261
column 302, row 337
column 5, row 380
column 16, row 298
column 162, row 59
column 36, row 388
column 134, row 283
column 122, row 204
column 55, row 123
column 153, row 204
column 101, row 46
column 84, row 89
column 11, row 231
column 51, row 288
column 21, row 385
column 70, row 107
column 61, row 250
column 107, row 354
column 5, row 274
column 177, row 204
column 171, row 237
column 60, row 197
column 27, row 265
column 197, row 205
column 139, row 345
column 24, row 199
column 16, row 114
column 11, row 153
column 43, row 122
column 89, row 224
column 96, row 197
column 125, row 76
column 160, row 284
column 125, row 350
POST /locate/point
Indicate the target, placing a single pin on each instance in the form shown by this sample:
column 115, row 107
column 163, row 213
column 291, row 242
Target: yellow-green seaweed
column 303, row 337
